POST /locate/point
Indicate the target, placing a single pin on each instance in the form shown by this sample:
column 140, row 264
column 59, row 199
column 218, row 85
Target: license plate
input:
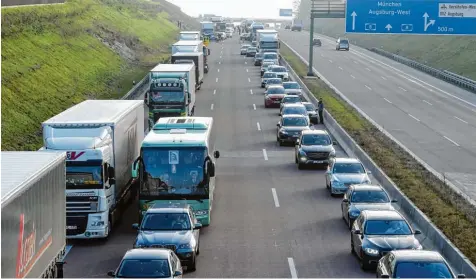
column 277, row 102
column 71, row 227
column 318, row 162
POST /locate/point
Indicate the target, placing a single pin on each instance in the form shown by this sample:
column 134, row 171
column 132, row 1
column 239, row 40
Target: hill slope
column 56, row 56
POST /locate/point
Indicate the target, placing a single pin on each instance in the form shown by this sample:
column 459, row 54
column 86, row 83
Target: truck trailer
column 195, row 58
column 102, row 139
column 268, row 40
column 187, row 46
column 189, row 36
column 33, row 214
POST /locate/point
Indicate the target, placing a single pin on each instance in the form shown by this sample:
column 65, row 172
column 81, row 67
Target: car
column 244, row 48
column 343, row 172
column 271, row 56
column 294, row 109
column 171, row 226
column 258, row 58
column 289, row 99
column 361, row 197
column 342, row 43
column 377, row 232
column 281, row 71
column 316, row 42
column 311, row 110
column 293, row 88
column 148, row 263
column 290, row 127
column 414, row 264
column 266, row 76
column 314, row 147
column 273, row 81
column 273, row 96
column 251, row 51
column 264, row 67
column 254, row 43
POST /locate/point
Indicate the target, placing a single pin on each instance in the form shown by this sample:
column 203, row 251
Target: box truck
column 297, row 25
column 195, row 58
column 187, row 46
column 102, row 139
column 189, row 36
column 171, row 91
column 33, row 214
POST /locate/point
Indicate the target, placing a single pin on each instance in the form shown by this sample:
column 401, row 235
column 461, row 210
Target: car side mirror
column 417, row 232
column 357, row 232
column 297, row 142
column 461, row 276
column 280, row 114
column 177, row 273
column 197, row 226
column 211, row 168
column 345, row 200
column 277, row 125
column 393, row 201
column 216, row 154
column 111, row 273
column 384, row 276
column 135, row 226
column 334, row 143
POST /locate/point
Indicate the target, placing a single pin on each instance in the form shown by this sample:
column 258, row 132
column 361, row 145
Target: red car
column 273, row 96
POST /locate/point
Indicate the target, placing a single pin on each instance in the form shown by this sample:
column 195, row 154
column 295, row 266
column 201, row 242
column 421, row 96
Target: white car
column 266, row 76
column 292, row 88
column 273, row 81
column 281, row 71
column 343, row 172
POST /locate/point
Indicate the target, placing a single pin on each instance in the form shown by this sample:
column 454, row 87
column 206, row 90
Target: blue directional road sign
column 425, row 17
column 285, row 12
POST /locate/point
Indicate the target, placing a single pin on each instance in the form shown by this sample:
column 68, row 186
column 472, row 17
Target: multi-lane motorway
column 434, row 119
column 269, row 219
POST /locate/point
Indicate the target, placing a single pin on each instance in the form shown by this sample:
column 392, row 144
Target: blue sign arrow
column 425, row 17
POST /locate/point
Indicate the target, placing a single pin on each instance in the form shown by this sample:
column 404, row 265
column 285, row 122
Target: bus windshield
column 84, row 177
column 177, row 171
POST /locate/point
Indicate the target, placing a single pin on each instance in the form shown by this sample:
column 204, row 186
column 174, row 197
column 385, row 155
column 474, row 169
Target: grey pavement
column 434, row 119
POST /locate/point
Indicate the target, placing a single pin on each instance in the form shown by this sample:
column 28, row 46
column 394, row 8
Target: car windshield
column 348, row 168
column 315, row 140
column 422, row 270
column 310, row 107
column 387, row 227
column 279, row 69
column 294, row 110
column 275, row 90
column 291, row 85
column 270, row 56
column 344, row 42
column 294, row 122
column 275, row 81
column 266, row 65
column 269, row 75
column 291, row 100
column 144, row 268
column 165, row 222
column 370, row 197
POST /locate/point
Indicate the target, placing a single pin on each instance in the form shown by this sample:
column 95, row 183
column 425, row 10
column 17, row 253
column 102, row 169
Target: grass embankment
column 55, row 56
column 411, row 178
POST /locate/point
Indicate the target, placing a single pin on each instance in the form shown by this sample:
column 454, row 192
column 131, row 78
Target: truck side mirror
column 135, row 168
column 216, row 154
column 211, row 168
column 111, row 173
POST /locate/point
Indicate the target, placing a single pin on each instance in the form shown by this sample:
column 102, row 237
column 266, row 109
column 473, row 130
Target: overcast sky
column 234, row 8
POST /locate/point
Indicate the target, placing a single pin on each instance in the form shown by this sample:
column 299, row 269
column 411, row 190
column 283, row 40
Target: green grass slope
column 56, row 56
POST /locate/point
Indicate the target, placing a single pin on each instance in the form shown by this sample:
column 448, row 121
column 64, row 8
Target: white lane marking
column 367, row 69
column 218, row 70
column 352, row 76
column 356, row 62
column 251, row 91
column 259, row 127
column 249, row 80
column 427, row 102
column 322, row 55
column 452, row 141
column 401, row 88
column 460, row 119
column 414, row 117
column 275, row 197
column 216, row 80
column 219, row 62
column 265, row 155
column 246, row 70
column 330, row 61
column 220, row 57
column 383, row 78
column 388, row 101
column 292, row 268
column 254, row 106
column 368, row 87
column 211, row 107
column 214, row 92
column 246, row 62
column 341, row 68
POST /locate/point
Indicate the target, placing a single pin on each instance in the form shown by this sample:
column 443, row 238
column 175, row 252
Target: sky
column 234, row 8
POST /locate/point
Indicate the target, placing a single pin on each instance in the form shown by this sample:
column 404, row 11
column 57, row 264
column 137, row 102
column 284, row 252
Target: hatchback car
column 362, row 197
column 414, row 264
column 271, row 56
column 342, row 43
column 258, row 59
column 292, row 87
column 290, row 99
column 273, row 81
column 264, row 67
column 315, row 147
column 343, row 172
column 266, row 76
column 316, row 42
column 251, row 51
column 244, row 48
column 312, row 111
column 148, row 263
column 290, row 127
column 273, row 96
column 377, row 232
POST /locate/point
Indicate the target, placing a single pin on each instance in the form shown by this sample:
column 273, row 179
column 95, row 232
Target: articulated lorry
column 208, row 29
column 254, row 28
column 267, row 40
column 195, row 58
column 192, row 46
column 33, row 214
column 171, row 91
column 189, row 36
column 297, row 25
column 102, row 139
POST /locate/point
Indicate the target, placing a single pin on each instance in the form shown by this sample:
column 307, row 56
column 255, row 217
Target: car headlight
column 283, row 131
column 97, row 223
column 332, row 153
column 371, row 251
column 185, row 246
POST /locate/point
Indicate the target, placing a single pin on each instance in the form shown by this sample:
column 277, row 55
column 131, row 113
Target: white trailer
column 102, row 139
column 195, row 58
column 189, row 36
column 187, row 46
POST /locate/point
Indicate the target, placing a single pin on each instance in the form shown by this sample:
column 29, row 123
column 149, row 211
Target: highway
column 269, row 219
column 434, row 119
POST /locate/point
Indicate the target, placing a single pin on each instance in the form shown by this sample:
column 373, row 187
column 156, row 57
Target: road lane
column 446, row 113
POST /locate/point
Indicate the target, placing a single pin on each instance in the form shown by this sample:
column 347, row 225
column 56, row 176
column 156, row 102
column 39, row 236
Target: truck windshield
column 177, row 171
column 167, row 96
column 269, row 45
column 84, row 177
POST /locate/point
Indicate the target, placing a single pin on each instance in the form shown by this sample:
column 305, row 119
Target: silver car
column 290, row 99
column 314, row 147
column 273, row 81
column 266, row 76
column 343, row 172
column 294, row 109
column 292, row 87
column 244, row 48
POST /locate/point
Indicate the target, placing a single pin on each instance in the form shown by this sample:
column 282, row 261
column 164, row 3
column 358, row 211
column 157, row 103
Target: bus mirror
column 110, row 171
column 211, row 168
column 216, row 154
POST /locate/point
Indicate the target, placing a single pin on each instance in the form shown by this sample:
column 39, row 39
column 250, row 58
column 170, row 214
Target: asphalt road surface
column 269, row 219
column 434, row 119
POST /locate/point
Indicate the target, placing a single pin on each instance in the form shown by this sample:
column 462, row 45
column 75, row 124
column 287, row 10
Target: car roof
column 293, row 116
column 276, row 78
column 291, row 96
column 346, row 160
column 268, row 72
column 316, row 132
column 168, row 208
column 293, row 105
column 139, row 253
column 275, row 86
column 307, row 103
column 279, row 66
column 289, row 82
column 367, row 187
column 382, row 215
column 418, row 255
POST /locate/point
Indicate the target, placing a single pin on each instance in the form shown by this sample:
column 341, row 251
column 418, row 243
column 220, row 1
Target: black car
column 316, row 42
column 171, row 226
column 315, row 147
column 290, row 127
column 377, row 232
column 258, row 58
column 414, row 264
column 312, row 111
column 364, row 197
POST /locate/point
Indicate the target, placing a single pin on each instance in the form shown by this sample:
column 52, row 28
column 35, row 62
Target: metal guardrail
column 458, row 80
column 432, row 237
column 137, row 89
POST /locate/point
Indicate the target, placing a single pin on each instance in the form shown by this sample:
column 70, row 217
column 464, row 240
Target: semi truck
column 189, row 36
column 267, row 40
column 195, row 58
column 101, row 139
column 208, row 29
column 255, row 27
column 171, row 91
column 187, row 46
column 297, row 25
column 33, row 214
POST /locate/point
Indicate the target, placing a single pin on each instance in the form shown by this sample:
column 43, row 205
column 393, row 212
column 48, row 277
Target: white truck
column 187, row 46
column 33, row 214
column 267, row 40
column 189, row 36
column 102, row 139
column 195, row 58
